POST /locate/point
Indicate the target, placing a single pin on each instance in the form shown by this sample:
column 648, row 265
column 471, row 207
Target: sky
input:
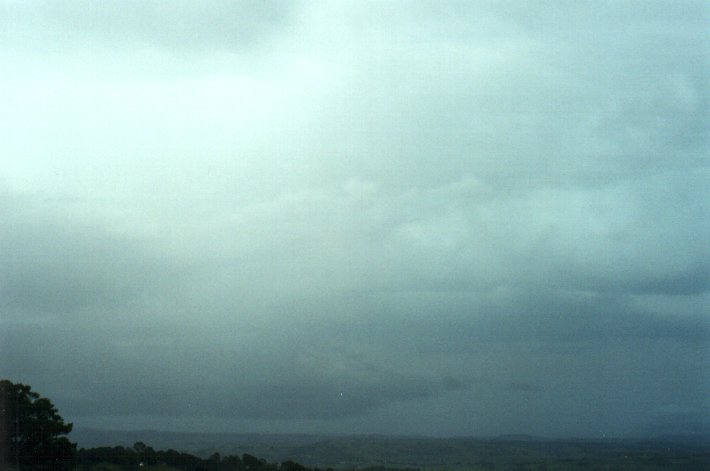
column 425, row 217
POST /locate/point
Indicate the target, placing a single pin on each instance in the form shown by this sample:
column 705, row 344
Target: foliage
column 32, row 438
column 145, row 458
column 31, row 430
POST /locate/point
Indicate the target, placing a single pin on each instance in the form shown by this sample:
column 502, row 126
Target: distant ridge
column 519, row 437
column 362, row 451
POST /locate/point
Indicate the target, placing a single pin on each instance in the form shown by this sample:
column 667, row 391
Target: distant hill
column 363, row 451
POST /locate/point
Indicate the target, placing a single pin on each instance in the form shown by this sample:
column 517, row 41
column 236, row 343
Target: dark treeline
column 33, row 438
column 142, row 455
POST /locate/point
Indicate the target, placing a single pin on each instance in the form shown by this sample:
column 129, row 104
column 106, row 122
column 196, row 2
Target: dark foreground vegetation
column 33, row 437
column 143, row 457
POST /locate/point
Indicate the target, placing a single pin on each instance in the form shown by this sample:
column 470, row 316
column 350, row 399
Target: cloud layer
column 443, row 218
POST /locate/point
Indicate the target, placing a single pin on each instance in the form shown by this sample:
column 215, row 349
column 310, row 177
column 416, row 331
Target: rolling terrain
column 361, row 452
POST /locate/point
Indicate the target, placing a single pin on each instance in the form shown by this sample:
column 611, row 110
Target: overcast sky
column 443, row 218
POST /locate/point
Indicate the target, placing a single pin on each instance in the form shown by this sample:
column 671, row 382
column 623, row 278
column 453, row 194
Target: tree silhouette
column 31, row 430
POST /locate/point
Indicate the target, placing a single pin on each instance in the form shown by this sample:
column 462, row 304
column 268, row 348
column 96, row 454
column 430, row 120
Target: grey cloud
column 579, row 111
column 453, row 384
column 57, row 262
column 523, row 387
column 678, row 420
column 461, row 237
column 695, row 279
column 176, row 26
column 265, row 386
column 464, row 217
column 472, row 322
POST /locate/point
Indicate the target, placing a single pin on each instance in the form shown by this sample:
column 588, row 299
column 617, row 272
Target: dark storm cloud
column 545, row 317
column 58, row 262
column 255, row 394
column 205, row 380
